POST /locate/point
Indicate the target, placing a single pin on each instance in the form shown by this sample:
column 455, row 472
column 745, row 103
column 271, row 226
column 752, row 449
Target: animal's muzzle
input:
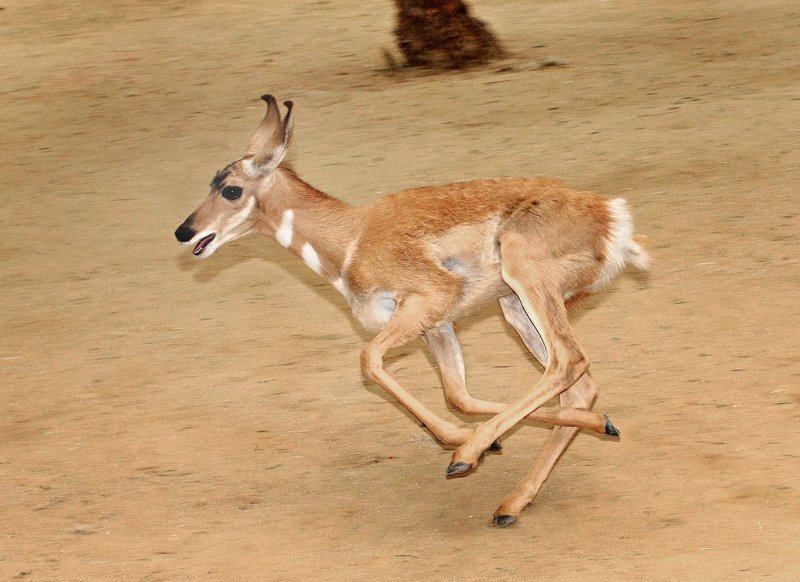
column 184, row 233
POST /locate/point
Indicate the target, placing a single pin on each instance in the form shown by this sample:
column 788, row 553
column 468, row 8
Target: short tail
column 636, row 252
column 622, row 246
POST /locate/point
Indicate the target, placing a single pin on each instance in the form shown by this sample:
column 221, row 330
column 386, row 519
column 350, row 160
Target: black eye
column 231, row 192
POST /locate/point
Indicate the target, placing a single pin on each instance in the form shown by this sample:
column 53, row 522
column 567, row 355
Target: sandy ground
column 168, row 419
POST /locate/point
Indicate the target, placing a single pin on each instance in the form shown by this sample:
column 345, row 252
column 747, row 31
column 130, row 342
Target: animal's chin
column 202, row 245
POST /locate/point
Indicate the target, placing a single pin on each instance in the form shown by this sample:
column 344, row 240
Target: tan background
column 168, row 419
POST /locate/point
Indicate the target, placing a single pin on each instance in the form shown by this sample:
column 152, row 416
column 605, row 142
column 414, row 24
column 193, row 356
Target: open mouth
column 201, row 246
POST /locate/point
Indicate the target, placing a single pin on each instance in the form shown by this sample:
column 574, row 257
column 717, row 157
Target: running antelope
column 413, row 262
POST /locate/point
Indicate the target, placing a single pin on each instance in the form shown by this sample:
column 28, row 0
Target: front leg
column 409, row 319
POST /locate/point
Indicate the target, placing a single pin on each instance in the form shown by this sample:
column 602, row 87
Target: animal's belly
column 480, row 286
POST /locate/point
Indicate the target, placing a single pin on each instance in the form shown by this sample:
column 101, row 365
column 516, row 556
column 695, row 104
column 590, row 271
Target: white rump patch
column 311, row 257
column 621, row 248
column 285, row 231
column 620, row 234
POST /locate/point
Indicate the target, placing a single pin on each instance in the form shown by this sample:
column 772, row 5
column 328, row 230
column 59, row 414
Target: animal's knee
column 371, row 363
column 582, row 394
column 578, row 366
column 462, row 405
column 569, row 366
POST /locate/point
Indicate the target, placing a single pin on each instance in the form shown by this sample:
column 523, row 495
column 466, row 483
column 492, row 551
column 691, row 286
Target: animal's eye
column 231, row 192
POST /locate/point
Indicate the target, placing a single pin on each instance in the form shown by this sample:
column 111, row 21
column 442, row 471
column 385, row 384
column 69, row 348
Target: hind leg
column 580, row 395
column 515, row 315
column 539, row 290
column 443, row 344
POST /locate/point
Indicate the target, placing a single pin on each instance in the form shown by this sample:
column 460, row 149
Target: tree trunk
column 442, row 34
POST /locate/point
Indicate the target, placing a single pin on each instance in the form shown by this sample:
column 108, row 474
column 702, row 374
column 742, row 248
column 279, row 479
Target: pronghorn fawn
column 413, row 262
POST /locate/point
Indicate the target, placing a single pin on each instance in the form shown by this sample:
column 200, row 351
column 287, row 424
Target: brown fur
column 413, row 262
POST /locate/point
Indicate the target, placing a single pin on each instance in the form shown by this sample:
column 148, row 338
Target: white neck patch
column 285, row 231
column 311, row 258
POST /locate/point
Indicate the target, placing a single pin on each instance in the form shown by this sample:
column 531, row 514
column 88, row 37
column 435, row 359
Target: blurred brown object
column 442, row 34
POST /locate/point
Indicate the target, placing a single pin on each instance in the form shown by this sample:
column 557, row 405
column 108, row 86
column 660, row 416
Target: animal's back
column 457, row 226
column 401, row 230
column 431, row 210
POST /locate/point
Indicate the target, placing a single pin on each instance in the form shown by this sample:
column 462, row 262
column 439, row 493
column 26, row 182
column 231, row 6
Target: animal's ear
column 270, row 143
column 264, row 132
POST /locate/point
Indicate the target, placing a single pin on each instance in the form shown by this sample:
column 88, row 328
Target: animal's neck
column 314, row 226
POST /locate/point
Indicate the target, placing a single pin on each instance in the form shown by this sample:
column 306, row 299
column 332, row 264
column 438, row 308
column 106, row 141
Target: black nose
column 184, row 233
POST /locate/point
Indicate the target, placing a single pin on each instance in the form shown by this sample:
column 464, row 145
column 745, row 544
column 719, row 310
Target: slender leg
column 539, row 292
column 446, row 350
column 515, row 315
column 406, row 323
column 580, row 394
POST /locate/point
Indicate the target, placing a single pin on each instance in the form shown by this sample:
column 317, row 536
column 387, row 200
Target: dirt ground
column 163, row 418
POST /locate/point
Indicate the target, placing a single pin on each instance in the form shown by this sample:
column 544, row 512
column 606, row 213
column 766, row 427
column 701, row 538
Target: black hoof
column 496, row 445
column 503, row 520
column 458, row 468
column 610, row 428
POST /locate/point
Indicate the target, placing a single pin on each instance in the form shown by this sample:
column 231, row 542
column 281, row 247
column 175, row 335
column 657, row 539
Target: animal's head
column 227, row 213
